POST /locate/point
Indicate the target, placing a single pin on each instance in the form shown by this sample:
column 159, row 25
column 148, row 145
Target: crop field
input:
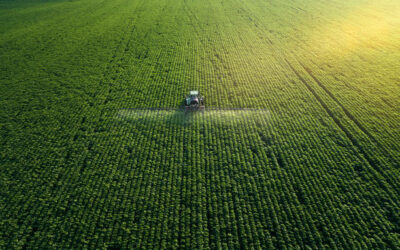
column 299, row 145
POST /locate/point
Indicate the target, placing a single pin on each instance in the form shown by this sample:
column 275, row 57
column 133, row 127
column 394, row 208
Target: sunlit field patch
column 369, row 25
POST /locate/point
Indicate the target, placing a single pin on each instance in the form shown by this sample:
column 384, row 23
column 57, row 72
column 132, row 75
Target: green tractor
column 194, row 101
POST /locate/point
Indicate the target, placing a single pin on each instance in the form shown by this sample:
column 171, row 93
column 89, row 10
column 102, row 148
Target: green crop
column 299, row 145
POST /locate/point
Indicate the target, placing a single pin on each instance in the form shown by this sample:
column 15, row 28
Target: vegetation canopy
column 298, row 145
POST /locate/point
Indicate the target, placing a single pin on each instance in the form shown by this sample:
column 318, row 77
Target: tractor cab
column 194, row 101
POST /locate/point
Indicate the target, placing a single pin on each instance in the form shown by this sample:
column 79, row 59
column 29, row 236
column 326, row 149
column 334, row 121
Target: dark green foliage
column 317, row 166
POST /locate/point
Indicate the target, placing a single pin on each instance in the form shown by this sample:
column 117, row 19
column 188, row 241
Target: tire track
column 382, row 148
column 370, row 161
column 345, row 110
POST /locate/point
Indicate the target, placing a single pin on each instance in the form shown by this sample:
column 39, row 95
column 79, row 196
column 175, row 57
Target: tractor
column 194, row 101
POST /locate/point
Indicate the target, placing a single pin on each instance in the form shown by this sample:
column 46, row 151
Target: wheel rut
column 349, row 115
column 349, row 135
